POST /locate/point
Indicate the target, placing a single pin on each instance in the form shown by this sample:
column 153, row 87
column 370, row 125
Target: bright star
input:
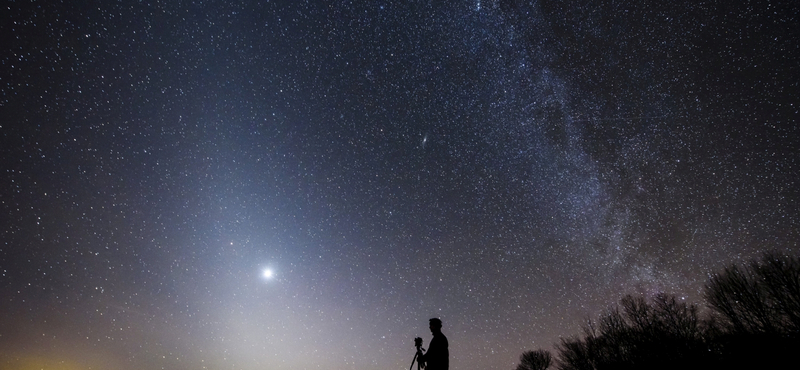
column 267, row 274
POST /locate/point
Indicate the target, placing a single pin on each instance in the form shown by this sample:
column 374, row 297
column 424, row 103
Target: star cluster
column 303, row 184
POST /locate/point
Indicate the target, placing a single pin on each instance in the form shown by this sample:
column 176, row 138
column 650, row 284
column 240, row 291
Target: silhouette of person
column 437, row 357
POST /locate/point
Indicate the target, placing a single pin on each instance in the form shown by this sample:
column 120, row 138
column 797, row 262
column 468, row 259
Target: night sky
column 302, row 185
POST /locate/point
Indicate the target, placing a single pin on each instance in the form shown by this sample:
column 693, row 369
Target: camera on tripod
column 418, row 355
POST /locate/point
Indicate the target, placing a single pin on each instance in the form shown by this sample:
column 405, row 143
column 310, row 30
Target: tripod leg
column 412, row 362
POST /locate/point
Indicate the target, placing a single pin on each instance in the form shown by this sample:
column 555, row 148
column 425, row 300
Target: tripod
column 418, row 355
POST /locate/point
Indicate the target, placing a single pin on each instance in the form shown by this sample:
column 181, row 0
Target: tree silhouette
column 664, row 334
column 758, row 310
column 754, row 322
column 535, row 360
column 761, row 298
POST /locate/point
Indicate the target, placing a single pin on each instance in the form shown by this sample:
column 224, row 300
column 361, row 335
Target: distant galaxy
column 303, row 184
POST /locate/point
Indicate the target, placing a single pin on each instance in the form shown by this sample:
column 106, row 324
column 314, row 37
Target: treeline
column 753, row 321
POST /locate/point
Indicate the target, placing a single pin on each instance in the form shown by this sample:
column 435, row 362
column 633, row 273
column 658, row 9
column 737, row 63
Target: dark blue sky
column 511, row 167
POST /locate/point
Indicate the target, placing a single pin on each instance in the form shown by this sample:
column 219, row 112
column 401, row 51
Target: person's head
column 435, row 325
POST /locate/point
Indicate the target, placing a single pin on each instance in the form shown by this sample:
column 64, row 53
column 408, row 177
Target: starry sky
column 303, row 184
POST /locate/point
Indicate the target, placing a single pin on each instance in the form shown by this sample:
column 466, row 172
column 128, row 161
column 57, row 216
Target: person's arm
column 432, row 349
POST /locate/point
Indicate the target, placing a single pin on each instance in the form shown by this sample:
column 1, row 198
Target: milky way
column 297, row 185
